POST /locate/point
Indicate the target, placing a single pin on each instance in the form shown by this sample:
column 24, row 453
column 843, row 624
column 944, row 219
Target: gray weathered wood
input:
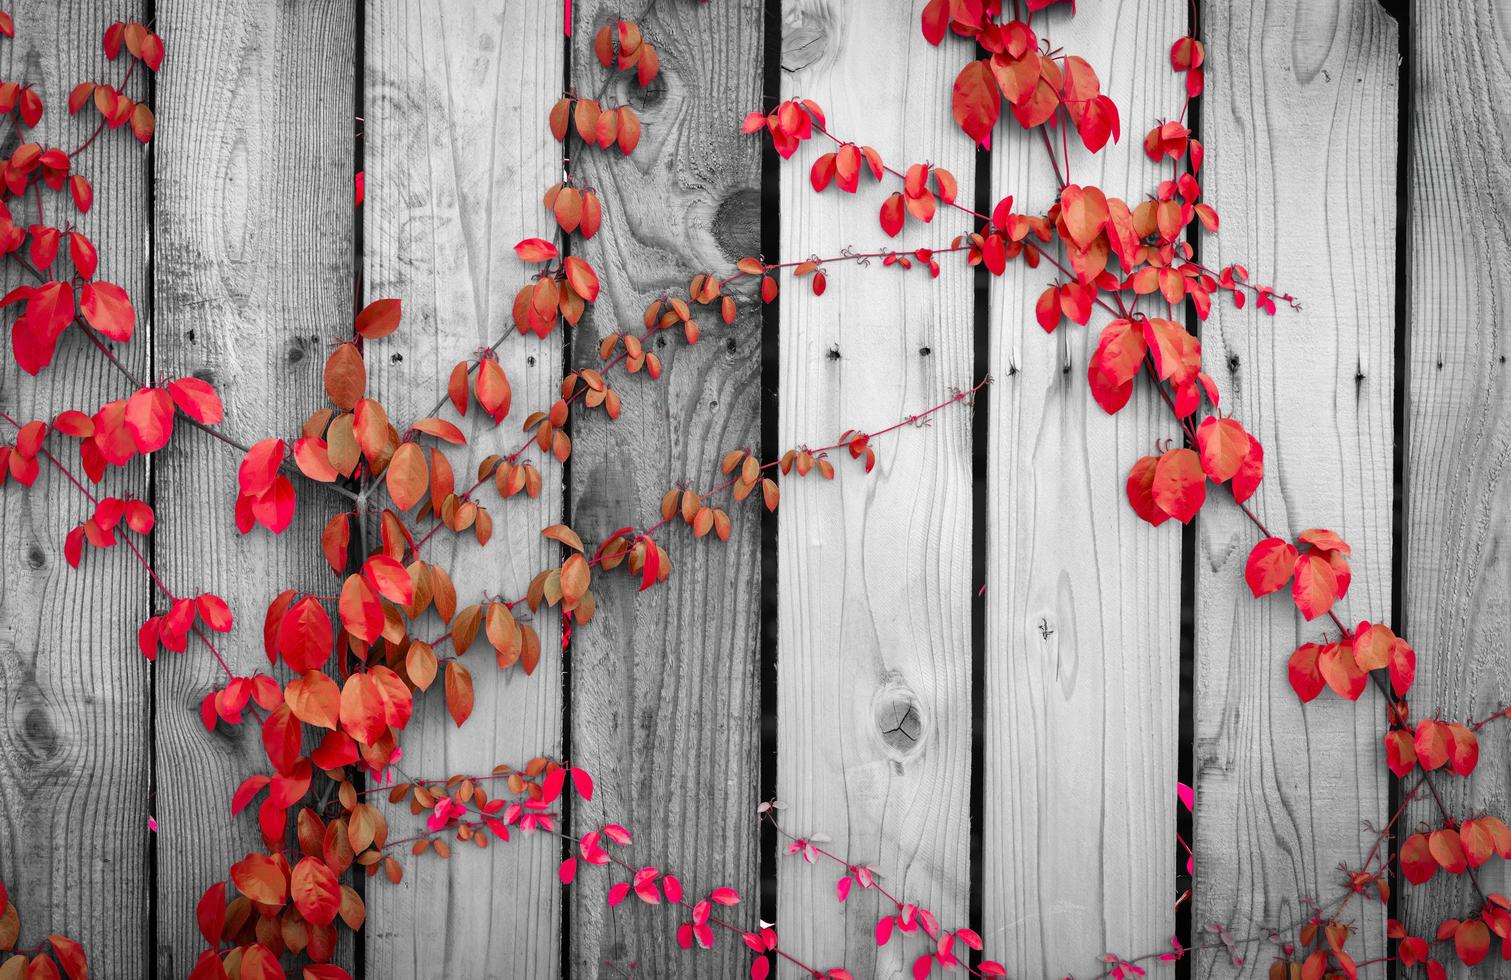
column 253, row 278
column 663, row 686
column 1300, row 128
column 1083, row 597
column 874, row 658
column 1458, row 427
column 75, row 747
column 457, row 158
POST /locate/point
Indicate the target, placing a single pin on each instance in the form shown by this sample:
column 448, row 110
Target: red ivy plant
column 356, row 657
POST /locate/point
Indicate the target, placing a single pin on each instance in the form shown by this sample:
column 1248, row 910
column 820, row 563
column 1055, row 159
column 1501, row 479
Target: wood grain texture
column 253, row 279
column 665, row 703
column 75, row 695
column 1458, row 429
column 1300, row 128
column 458, row 156
column 1083, row 598
column 874, row 659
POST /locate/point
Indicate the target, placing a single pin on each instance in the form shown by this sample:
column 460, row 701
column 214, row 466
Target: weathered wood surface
column 253, row 278
column 75, row 701
column 244, row 206
column 457, row 157
column 664, row 696
column 1299, row 125
column 1082, row 597
column 874, row 657
column 1458, row 427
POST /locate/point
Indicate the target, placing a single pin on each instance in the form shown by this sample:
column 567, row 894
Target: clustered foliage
column 355, row 660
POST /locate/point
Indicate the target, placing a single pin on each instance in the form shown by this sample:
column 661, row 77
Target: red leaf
column 196, row 399
column 379, row 318
column 1315, row 586
column 260, row 466
column 582, row 277
column 1400, row 754
column 936, row 18
column 1269, row 566
column 259, row 878
column 1224, row 447
column 50, row 308
column 1306, row 678
column 281, row 736
column 305, row 636
column 535, row 250
column 1432, row 741
column 892, row 216
column 210, row 913
column 976, row 101
column 1403, row 667
column 107, row 308
column 1180, row 485
column 389, row 579
column 1416, row 861
column 315, row 892
column 149, row 419
column 362, row 713
column 359, row 609
column 314, row 699
column 1141, row 491
column 1341, row 671
column 1471, row 942
column 1448, row 851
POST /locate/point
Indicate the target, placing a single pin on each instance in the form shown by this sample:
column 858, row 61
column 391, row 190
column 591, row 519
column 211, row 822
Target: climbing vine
column 347, row 665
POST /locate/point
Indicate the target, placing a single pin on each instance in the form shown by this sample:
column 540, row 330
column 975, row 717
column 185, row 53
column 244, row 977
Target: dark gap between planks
column 1405, row 92
column 771, row 227
column 150, row 953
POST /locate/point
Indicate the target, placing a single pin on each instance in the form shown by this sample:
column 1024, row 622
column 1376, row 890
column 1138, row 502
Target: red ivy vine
column 357, row 657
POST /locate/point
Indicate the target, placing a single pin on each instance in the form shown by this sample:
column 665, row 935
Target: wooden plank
column 874, row 658
column 1458, row 429
column 1083, row 597
column 458, row 156
column 665, row 702
column 253, row 279
column 1300, row 128
column 75, row 754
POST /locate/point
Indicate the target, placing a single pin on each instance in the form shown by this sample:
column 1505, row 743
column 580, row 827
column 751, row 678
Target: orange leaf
column 315, row 892
column 379, row 318
column 975, row 101
column 1269, row 566
column 535, row 250
column 1224, row 446
column 493, row 391
column 408, row 477
column 362, row 714
column 1180, row 484
column 260, row 878
column 314, row 699
column 345, row 376
column 1315, row 585
column 458, row 692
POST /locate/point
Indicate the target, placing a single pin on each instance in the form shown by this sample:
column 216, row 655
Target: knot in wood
column 899, row 720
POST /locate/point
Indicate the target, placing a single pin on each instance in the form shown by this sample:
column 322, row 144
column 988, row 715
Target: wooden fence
column 1009, row 756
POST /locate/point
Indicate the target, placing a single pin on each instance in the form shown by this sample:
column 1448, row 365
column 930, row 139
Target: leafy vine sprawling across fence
column 336, row 801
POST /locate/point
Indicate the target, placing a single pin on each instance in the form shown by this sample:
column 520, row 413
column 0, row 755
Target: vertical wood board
column 874, row 657
column 252, row 281
column 1299, row 122
column 665, row 701
column 457, row 158
column 1083, row 597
